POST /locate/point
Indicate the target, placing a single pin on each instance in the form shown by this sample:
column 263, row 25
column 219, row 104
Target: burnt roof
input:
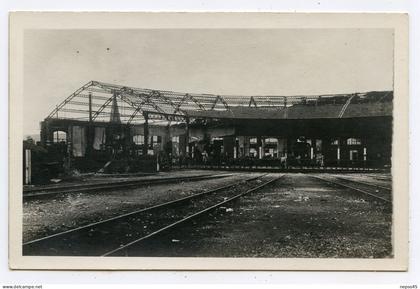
column 302, row 111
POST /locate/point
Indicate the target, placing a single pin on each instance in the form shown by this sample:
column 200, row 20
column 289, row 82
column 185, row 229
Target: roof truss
column 95, row 100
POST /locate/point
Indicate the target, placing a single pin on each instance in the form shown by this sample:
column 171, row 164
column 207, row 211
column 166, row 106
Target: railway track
column 48, row 191
column 109, row 237
column 376, row 187
column 376, row 192
column 384, row 178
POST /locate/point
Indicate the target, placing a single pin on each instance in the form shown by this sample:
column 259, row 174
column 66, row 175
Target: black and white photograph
column 230, row 144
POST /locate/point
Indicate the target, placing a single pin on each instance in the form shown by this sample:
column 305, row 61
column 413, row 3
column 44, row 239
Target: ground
column 298, row 216
column 47, row 216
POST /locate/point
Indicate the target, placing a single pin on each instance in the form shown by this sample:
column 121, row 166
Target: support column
column 187, row 136
column 69, row 141
column 338, row 151
column 28, row 166
column 241, row 147
column 246, row 146
column 313, row 146
column 43, row 133
column 364, row 145
column 364, row 152
column 286, row 152
column 229, row 146
column 146, row 133
column 280, row 147
column 90, row 107
column 89, row 148
column 325, row 150
column 127, row 141
column 235, row 147
column 50, row 138
column 167, row 142
column 288, row 146
column 259, row 146
column 262, row 148
column 46, row 135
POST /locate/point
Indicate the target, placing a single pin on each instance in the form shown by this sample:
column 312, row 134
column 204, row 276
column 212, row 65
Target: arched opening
column 59, row 144
column 355, row 152
column 59, row 136
column 270, row 147
column 175, row 147
column 354, row 141
column 253, row 147
column 302, row 148
column 138, row 141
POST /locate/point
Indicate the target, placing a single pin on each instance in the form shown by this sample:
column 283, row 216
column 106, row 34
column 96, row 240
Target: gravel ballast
column 298, row 216
column 55, row 214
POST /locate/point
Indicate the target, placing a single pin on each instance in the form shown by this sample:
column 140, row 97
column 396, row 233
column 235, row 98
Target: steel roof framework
column 94, row 101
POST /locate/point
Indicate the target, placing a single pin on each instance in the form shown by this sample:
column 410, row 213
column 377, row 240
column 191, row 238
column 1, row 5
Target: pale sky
column 219, row 61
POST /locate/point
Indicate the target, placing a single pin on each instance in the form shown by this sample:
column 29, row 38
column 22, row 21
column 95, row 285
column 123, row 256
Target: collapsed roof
column 99, row 101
